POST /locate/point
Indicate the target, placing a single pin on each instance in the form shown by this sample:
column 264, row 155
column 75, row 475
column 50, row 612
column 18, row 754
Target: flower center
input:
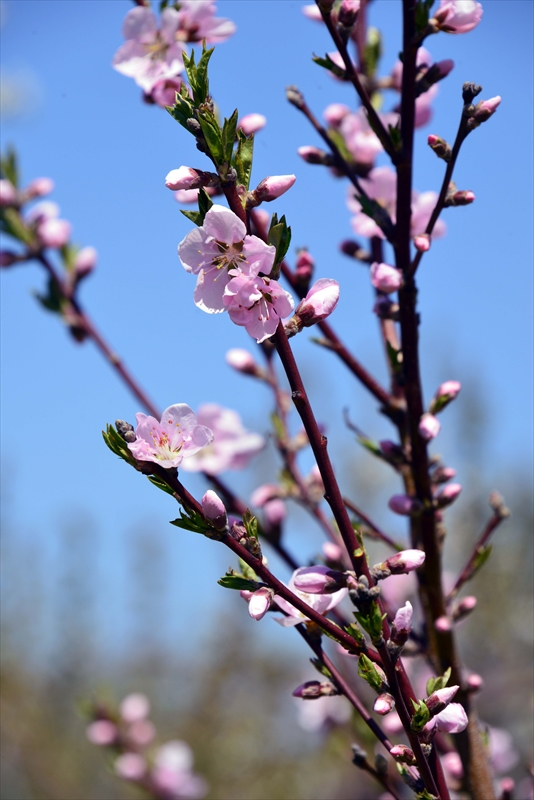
column 231, row 255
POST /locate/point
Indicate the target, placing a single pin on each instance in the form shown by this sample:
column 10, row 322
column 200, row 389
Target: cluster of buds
column 164, row 772
column 318, row 304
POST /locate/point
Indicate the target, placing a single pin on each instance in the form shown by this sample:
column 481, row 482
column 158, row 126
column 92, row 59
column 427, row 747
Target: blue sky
column 84, row 125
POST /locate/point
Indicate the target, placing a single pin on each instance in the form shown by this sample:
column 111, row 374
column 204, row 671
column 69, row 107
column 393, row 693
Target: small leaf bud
column 311, row 690
column 470, row 91
column 125, row 430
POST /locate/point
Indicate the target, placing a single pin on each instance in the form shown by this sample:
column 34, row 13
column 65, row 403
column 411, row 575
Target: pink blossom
column 312, row 12
column 214, row 510
column 260, row 602
column 403, row 504
column 130, row 766
column 404, row 561
column 429, row 427
column 423, row 59
column 452, row 719
column 319, row 580
column 172, row 772
column 220, row 250
column 384, row 703
column 46, row 209
column 8, row 193
column 197, row 21
column 134, row 707
column 332, row 551
column 183, row 178
column 163, row 93
column 149, row 54
column 258, row 304
column 141, row 732
column 443, row 624
column 53, row 232
column 252, row 123
column 403, row 617
column 231, row 446
column 101, row 732
column 422, row 242
column 177, row 436
column 264, row 493
column 385, row 278
column 320, row 602
column 242, row 361
column 85, row 261
column 272, row 187
column 457, row 16
column 38, row 188
column 448, row 494
column 335, row 113
column 275, row 511
column 363, row 144
column 320, row 301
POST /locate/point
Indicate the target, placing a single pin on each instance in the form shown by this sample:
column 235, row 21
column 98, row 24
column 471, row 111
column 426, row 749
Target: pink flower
column 452, row 719
column 403, row 504
column 38, row 188
column 134, row 707
column 141, row 732
column 163, row 93
column 85, row 261
column 149, row 54
column 242, row 361
column 385, row 278
column 363, row 144
column 197, row 21
column 274, row 511
column 219, row 251
column 320, row 602
column 53, row 232
column 258, row 304
column 457, row 16
column 403, row 617
column 231, row 445
column 172, row 772
column 335, row 113
column 312, row 12
column 130, row 766
column 214, row 510
column 8, row 193
column 252, row 123
column 101, row 732
column 319, row 580
column 319, row 303
column 429, row 427
column 259, row 602
column 177, row 436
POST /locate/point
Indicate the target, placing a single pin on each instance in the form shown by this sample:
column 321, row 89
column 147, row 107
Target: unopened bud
column 319, row 580
column 295, row 97
column 260, row 602
column 252, row 123
column 464, row 608
column 475, row 682
column 402, row 753
column 384, row 703
column 53, row 232
column 443, row 474
column 332, row 552
column 448, row 495
column 386, row 278
column 384, row 308
column 455, row 197
column 354, row 250
column 470, row 91
column 269, row 189
column 402, row 625
column 8, row 193
column 348, row 13
column 335, row 113
column 483, row 111
column 506, row 788
column 214, row 510
column 183, row 178
column 275, row 511
column 102, row 732
column 429, row 427
column 440, row 147
column 304, row 267
column 443, row 624
column 445, row 393
column 318, row 304
column 38, row 188
column 134, row 707
column 130, row 766
column 440, row 699
column 359, row 756
column 7, row 258
column 125, row 430
column 314, row 155
column 403, row 562
column 85, row 261
column 242, row 361
column 405, row 505
column 311, row 690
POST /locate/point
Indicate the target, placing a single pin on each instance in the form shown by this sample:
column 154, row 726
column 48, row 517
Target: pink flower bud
column 429, row 427
column 53, row 232
column 319, row 580
column 507, row 787
column 313, row 155
column 444, row 67
column 403, row 562
column 263, row 493
column 85, row 261
column 8, row 193
column 101, row 732
column 402, row 752
column 484, row 110
column 242, row 361
column 443, row 624
column 186, row 196
column 457, row 16
column 130, row 766
column 274, row 511
column 452, row 719
column 403, row 618
column 448, row 494
column 252, row 123
column 134, row 707
column 452, row 764
column 314, row 689
column 214, row 510
column 332, row 551
column 385, row 278
column 319, row 303
column 312, row 12
column 335, row 113
column 443, row 474
column 440, row 147
column 384, row 703
column 260, row 602
column 392, row 451
column 464, row 608
column 459, row 198
column 445, row 394
column 38, row 188
column 183, row 178
column 163, row 93
column 348, row 12
column 274, row 186
column 422, row 242
column 141, row 732
column 475, row 682
column 7, row 258
column 403, row 504
column 440, row 699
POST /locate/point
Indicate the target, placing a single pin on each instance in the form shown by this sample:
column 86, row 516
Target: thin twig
column 467, row 572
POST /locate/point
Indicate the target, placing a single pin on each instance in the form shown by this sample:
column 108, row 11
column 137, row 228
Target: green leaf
column 237, row 582
column 117, row 445
column 251, row 524
column 395, row 136
column 182, row 110
column 191, row 521
column 372, row 51
column 368, row 671
column 425, row 795
column 280, row 236
column 422, row 9
column 420, row 717
column 331, row 66
column 377, row 213
column 9, row 167
column 321, row 668
column 212, row 134
column 354, row 631
column 372, row 622
column 373, row 447
column 243, row 158
column 482, row 555
column 278, row 425
column 53, row 300
column 201, row 91
column 160, row 484
column 434, row 684
column 247, row 571
column 194, row 216
column 12, row 224
column 339, row 142
column 204, row 204
column 228, row 137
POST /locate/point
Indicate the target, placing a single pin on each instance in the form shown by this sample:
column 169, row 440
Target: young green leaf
column 242, row 161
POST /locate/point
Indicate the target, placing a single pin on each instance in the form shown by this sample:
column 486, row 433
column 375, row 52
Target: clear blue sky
column 83, row 124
